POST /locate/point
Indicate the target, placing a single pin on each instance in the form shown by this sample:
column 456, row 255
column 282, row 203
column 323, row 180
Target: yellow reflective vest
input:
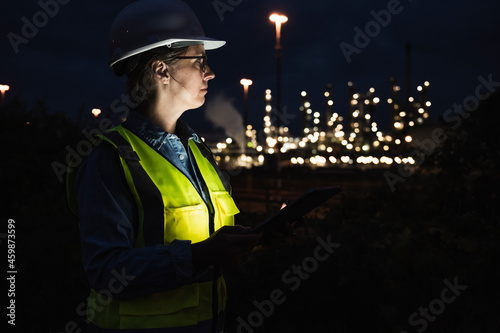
column 169, row 208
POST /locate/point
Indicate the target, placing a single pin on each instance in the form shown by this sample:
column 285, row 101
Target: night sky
column 453, row 42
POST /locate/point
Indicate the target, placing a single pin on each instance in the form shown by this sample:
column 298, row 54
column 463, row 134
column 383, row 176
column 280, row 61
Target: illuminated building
column 332, row 140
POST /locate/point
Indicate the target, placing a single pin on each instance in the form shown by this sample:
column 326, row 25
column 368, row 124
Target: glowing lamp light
column 278, row 18
column 246, row 82
column 3, row 89
column 96, row 112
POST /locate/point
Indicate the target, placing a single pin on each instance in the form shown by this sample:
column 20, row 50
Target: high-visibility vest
column 170, row 208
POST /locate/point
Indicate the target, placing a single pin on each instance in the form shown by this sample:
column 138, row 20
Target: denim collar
column 153, row 134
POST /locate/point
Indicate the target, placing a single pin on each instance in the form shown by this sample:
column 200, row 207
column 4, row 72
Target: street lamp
column 96, row 112
column 3, row 89
column 278, row 19
column 245, row 83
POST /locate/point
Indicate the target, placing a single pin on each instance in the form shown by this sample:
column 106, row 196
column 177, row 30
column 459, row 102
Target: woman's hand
column 227, row 246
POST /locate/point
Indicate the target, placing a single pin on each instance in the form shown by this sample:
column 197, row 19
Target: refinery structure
column 332, row 138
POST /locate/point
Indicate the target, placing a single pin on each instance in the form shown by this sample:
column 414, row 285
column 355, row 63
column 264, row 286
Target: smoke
column 221, row 112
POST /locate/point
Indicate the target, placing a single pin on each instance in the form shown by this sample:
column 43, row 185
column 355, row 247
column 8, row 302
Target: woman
column 156, row 217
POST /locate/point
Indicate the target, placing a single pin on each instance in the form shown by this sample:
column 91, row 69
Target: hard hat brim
column 208, row 43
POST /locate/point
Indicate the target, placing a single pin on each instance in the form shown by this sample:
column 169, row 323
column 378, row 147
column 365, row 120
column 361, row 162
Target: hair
column 141, row 85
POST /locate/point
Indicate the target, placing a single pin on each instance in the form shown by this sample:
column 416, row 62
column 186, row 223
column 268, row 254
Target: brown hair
column 141, row 86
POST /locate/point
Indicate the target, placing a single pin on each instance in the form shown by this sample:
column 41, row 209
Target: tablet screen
column 298, row 208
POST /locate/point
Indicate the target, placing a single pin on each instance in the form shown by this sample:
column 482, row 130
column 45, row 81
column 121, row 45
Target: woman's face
column 189, row 79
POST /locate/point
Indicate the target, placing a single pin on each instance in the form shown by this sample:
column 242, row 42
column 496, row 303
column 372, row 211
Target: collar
column 153, row 134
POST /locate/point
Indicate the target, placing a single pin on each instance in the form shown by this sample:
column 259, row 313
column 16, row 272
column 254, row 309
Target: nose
column 208, row 75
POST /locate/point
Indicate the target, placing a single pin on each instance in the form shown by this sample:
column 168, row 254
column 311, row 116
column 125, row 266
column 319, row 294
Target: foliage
column 50, row 281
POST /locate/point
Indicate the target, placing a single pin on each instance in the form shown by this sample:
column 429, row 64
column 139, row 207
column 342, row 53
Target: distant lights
column 268, row 95
column 96, row 112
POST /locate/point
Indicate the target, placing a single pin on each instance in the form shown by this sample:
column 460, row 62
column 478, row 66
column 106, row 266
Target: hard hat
column 146, row 24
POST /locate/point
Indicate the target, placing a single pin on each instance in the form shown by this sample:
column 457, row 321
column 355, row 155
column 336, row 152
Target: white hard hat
column 146, row 24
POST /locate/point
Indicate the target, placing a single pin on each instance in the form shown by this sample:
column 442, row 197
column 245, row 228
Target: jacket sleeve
column 108, row 214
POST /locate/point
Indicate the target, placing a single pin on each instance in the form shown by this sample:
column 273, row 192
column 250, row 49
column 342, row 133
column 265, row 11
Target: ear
column 160, row 70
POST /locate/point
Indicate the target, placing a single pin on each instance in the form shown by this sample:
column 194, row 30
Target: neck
column 164, row 114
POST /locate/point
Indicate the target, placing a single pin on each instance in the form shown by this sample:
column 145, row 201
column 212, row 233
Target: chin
column 197, row 105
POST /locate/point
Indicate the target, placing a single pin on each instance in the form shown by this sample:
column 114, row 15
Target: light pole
column 245, row 83
column 3, row 89
column 278, row 19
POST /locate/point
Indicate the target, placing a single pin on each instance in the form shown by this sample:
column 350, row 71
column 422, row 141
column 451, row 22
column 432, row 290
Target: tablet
column 298, row 208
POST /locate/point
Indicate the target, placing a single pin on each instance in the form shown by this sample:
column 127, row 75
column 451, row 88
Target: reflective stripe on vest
column 161, row 310
column 169, row 208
